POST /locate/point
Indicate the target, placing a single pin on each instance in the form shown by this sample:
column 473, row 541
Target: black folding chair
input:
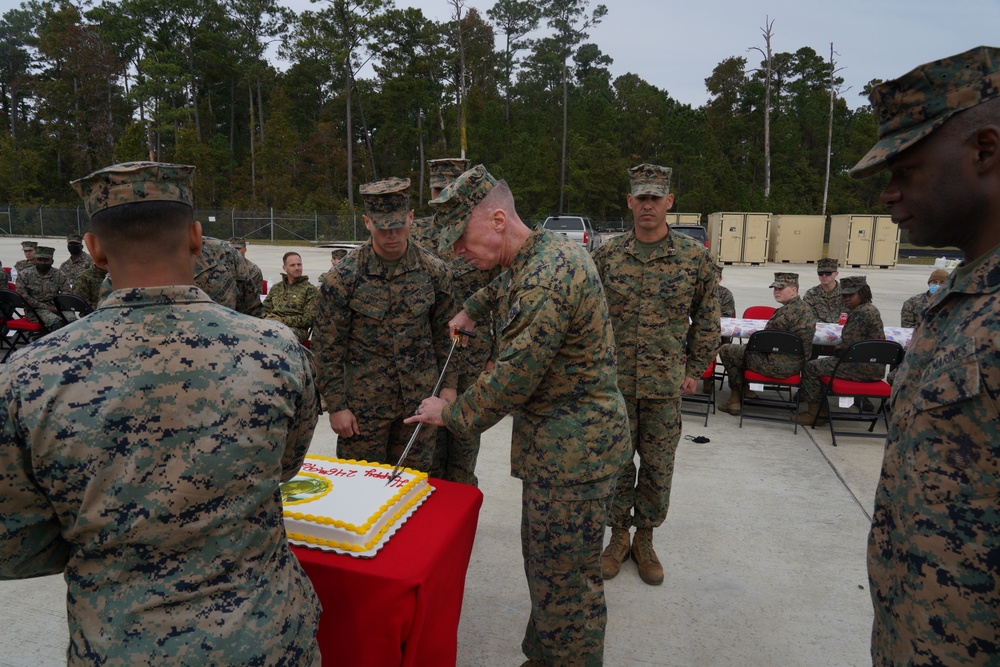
column 706, row 399
column 774, row 342
column 15, row 312
column 834, row 386
column 67, row 302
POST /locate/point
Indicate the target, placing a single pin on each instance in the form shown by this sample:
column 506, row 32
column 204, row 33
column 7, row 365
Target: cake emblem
column 303, row 488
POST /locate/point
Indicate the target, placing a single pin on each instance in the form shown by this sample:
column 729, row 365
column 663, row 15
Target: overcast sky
column 676, row 45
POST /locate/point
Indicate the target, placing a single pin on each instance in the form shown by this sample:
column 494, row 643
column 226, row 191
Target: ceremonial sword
column 454, row 341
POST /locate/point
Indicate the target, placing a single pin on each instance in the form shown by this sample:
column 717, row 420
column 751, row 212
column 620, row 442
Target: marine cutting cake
column 346, row 506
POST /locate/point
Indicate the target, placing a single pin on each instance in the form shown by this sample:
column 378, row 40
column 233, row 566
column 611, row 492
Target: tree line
column 520, row 89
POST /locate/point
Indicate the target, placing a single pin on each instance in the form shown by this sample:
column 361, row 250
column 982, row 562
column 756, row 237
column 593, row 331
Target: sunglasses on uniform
column 824, row 273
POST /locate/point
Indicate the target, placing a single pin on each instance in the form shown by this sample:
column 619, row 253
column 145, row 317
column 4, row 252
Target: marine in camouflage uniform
column 39, row 289
column 795, row 316
column 912, row 311
column 142, row 449
column 254, row 277
column 78, row 260
column 827, row 304
column 864, row 322
column 933, row 550
column 292, row 301
column 381, row 334
column 555, row 372
column 727, row 308
column 457, row 455
column 88, row 284
column 660, row 288
column 27, row 247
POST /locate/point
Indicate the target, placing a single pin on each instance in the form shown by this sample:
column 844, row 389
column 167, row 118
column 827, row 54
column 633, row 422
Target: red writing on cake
column 378, row 473
column 329, row 472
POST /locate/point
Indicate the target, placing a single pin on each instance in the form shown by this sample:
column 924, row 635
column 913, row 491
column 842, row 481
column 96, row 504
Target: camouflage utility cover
column 665, row 315
column 44, row 252
column 134, row 182
column 555, row 368
column 387, row 203
column 29, row 245
column 445, row 170
column 827, row 264
column 650, row 179
column 914, row 105
column 455, row 203
column 783, row 280
column 852, row 284
column 142, row 448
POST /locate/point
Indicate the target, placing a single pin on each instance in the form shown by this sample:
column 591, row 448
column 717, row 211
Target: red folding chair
column 15, row 316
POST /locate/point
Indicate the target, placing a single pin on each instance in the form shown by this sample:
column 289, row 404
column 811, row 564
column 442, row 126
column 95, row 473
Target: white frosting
column 347, row 505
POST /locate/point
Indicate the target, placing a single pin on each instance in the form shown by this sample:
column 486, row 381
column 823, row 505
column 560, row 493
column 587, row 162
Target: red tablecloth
column 401, row 607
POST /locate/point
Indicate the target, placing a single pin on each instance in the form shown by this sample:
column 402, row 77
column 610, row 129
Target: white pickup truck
column 575, row 227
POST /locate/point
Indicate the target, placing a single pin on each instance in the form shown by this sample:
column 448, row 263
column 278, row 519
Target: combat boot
column 615, row 553
column 750, row 393
column 806, row 418
column 645, row 558
column 732, row 406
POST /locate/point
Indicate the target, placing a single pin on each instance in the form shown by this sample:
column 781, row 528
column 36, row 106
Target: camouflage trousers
column 812, row 389
column 562, row 532
column 49, row 319
column 383, row 439
column 456, row 456
column 732, row 358
column 642, row 496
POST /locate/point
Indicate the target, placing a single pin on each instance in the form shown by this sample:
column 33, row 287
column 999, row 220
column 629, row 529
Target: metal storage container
column 796, row 239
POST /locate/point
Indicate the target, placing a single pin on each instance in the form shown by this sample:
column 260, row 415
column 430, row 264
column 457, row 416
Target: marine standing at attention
column 934, row 547
column 381, row 334
column 141, row 449
column 660, row 288
column 555, row 372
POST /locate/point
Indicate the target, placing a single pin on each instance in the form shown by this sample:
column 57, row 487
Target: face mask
column 933, row 288
column 74, row 248
column 43, row 268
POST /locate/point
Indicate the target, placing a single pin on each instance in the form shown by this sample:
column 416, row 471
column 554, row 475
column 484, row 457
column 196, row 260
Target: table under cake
column 401, row 607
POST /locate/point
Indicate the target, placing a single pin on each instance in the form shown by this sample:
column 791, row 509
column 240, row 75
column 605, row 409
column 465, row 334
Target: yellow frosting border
column 366, row 526
column 359, row 548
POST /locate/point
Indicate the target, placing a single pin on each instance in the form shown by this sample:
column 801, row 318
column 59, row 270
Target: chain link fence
column 252, row 225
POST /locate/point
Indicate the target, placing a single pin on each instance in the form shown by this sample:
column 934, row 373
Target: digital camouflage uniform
column 555, row 371
column 795, row 316
column 292, row 304
column 910, row 314
column 142, row 448
column 827, row 305
column 934, row 546
column 863, row 323
column 380, row 341
column 40, row 291
column 666, row 324
column 74, row 266
column 88, row 284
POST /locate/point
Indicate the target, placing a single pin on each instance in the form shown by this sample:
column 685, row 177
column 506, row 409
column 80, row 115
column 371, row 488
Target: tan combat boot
column 732, row 406
column 645, row 558
column 615, row 553
column 806, row 418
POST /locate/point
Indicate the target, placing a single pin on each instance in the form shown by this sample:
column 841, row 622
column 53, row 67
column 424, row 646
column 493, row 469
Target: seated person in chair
column 793, row 315
column 864, row 322
column 38, row 284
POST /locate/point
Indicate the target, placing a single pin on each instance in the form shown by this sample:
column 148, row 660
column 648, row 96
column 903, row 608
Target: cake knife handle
column 458, row 333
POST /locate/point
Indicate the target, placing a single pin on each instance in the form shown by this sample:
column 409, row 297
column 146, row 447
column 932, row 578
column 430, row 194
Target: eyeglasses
column 824, row 273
